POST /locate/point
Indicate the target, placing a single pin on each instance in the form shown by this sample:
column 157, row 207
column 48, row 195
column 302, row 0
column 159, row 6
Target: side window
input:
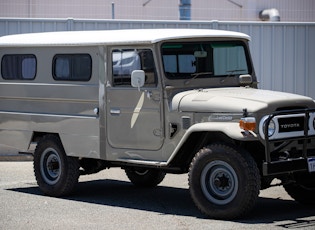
column 18, row 67
column 127, row 60
column 72, row 67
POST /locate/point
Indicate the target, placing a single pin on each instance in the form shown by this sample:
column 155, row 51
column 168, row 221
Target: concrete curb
column 16, row 157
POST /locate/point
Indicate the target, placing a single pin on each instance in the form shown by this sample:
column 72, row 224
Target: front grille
column 291, row 124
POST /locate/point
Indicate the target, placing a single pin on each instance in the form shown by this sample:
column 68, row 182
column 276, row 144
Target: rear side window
column 18, row 67
column 72, row 67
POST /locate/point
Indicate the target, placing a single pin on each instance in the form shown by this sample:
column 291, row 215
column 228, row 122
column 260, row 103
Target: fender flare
column 230, row 129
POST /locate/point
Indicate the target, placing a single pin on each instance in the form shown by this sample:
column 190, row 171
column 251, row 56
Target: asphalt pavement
column 107, row 200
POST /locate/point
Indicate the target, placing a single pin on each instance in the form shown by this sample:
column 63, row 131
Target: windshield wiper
column 196, row 75
column 231, row 73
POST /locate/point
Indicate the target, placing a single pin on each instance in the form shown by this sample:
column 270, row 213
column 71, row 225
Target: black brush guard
column 290, row 164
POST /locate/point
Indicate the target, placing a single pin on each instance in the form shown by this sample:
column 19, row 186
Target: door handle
column 115, row 112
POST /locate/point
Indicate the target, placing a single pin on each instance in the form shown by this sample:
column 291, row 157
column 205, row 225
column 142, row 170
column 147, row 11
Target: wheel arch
column 37, row 136
column 193, row 143
column 74, row 145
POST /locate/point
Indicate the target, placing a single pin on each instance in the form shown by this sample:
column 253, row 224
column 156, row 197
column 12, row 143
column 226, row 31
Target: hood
column 236, row 99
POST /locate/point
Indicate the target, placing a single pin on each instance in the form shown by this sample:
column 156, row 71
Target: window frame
column 71, row 57
column 178, row 44
column 137, row 50
column 20, row 66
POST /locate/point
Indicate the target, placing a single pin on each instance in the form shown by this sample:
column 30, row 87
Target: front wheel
column 56, row 173
column 145, row 177
column 224, row 183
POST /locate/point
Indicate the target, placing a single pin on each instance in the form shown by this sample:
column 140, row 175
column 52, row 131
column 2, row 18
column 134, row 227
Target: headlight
column 271, row 128
column 311, row 124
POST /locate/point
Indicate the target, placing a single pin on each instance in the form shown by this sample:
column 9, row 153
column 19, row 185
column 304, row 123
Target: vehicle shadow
column 283, row 213
column 177, row 201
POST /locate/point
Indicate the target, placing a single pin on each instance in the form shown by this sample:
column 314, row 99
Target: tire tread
column 253, row 181
column 68, row 181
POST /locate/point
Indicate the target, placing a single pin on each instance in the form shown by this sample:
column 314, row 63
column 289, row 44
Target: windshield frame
column 178, row 47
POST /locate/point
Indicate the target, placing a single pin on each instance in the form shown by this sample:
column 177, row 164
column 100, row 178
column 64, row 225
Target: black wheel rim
column 219, row 182
column 50, row 166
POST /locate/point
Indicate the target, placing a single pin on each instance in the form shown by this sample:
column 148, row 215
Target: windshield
column 205, row 59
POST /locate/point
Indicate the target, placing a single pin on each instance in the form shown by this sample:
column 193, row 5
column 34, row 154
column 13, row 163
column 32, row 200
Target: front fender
column 230, row 129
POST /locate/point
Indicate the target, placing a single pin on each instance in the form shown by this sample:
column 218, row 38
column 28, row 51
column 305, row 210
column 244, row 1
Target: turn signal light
column 248, row 123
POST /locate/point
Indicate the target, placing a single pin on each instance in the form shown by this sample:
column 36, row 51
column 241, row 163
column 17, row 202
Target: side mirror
column 245, row 79
column 137, row 79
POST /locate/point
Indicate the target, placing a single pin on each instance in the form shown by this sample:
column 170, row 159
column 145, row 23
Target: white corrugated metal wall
column 228, row 10
column 283, row 53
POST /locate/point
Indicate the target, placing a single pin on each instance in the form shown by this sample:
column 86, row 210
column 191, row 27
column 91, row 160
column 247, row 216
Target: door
column 134, row 119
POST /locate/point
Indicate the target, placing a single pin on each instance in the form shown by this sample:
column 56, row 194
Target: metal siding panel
column 310, row 63
column 12, row 27
column 3, row 27
column 256, row 49
column 300, row 50
column 289, row 59
column 277, row 58
column 266, row 73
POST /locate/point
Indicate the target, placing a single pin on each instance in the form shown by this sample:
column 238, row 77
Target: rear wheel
column 224, row 183
column 55, row 172
column 145, row 177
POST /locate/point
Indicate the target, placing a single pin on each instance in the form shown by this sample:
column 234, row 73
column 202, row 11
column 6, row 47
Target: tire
column 303, row 189
column 224, row 183
column 145, row 177
column 56, row 173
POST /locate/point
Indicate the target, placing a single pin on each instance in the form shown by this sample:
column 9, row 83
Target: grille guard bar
column 291, row 164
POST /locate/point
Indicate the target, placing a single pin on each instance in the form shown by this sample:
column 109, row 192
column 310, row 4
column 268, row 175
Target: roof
column 81, row 38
